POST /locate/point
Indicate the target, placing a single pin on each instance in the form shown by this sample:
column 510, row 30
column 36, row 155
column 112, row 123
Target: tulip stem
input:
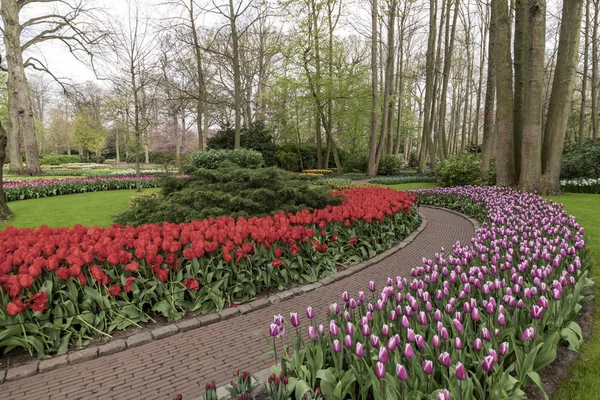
column 484, row 385
column 460, row 388
column 275, row 350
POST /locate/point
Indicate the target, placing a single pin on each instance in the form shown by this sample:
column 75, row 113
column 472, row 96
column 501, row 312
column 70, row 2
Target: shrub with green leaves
column 396, row 180
column 59, row 159
column 463, row 169
column 212, row 159
column 578, row 164
column 231, row 191
column 356, row 163
column 389, row 165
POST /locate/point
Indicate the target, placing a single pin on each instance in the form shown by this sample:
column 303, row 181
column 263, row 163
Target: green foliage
column 154, row 157
column 231, row 191
column 88, row 132
column 288, row 160
column 256, row 137
column 389, row 165
column 356, row 163
column 463, row 169
column 59, row 159
column 581, row 164
column 92, row 159
column 212, row 159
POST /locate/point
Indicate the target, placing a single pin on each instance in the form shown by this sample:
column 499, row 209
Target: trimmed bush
column 356, row 163
column 464, row 169
column 389, row 165
column 581, row 164
column 59, row 159
column 256, row 137
column 212, row 159
column 229, row 191
column 396, row 180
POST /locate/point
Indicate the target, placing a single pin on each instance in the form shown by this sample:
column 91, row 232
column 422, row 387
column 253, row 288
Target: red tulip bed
column 477, row 321
column 62, row 286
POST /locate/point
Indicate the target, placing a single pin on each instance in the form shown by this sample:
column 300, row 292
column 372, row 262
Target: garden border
column 148, row 335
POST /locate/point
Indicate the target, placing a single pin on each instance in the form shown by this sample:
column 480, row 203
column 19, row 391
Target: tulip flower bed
column 61, row 286
column 475, row 322
column 35, row 189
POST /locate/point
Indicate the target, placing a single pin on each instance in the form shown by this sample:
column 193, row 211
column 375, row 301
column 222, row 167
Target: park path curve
column 184, row 363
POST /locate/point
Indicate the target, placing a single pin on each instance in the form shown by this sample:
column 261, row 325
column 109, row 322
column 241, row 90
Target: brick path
column 185, row 362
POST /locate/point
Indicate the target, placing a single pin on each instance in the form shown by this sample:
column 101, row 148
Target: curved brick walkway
column 185, row 362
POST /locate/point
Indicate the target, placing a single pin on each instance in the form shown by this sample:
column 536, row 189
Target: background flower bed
column 35, row 189
column 477, row 321
column 61, row 286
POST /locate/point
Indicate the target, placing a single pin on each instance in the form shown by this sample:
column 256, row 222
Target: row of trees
column 431, row 78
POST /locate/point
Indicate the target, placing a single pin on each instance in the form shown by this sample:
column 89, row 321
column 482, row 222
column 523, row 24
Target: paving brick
column 189, row 324
column 259, row 304
column 53, row 363
column 229, row 313
column 83, row 355
column 245, row 308
column 165, row 331
column 341, row 275
column 209, row 319
column 21, row 371
column 139, row 339
column 286, row 295
column 2, row 375
column 326, row 281
column 112, row 347
column 310, row 287
column 274, row 299
column 297, row 290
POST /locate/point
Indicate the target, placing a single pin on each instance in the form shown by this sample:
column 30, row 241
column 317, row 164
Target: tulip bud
column 360, row 350
column 385, row 330
column 294, row 319
column 310, row 313
column 408, row 351
column 410, row 335
column 502, row 320
column 458, row 343
column 493, row 354
column 391, row 343
column 401, row 373
column 528, row 334
column 337, row 346
column 334, row 330
column 461, row 372
column 420, row 341
column 428, row 367
column 444, row 359
column 366, row 331
column 458, row 325
column 312, row 332
column 488, row 364
column 374, row 340
column 345, row 297
column 274, row 330
column 477, row 344
column 422, row 318
column 348, row 341
column 361, row 296
column 503, row 349
column 383, row 355
column 372, row 287
column 349, row 328
column 436, row 342
column 380, row 370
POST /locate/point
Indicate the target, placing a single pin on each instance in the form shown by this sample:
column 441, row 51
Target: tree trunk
column 475, row 136
column 426, row 143
column 505, row 174
column 586, row 46
column 595, row 70
column 237, row 83
column 372, row 164
column 5, row 212
column 489, row 137
column 18, row 90
column 531, row 155
column 520, row 45
column 200, row 83
column 562, row 93
column 117, row 149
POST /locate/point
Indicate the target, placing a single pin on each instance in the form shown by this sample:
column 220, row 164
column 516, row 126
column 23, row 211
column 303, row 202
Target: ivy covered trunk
column 5, row 212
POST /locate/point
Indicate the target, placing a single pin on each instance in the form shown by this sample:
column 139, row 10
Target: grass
column 583, row 382
column 412, row 186
column 87, row 209
column 30, row 178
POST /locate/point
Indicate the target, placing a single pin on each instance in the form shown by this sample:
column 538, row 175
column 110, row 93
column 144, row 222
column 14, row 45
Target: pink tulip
column 360, row 350
column 294, row 319
column 401, row 373
column 503, row 349
column 385, row 330
column 312, row 332
column 428, row 367
column 477, row 344
column 461, row 372
column 348, row 341
column 436, row 341
column 337, row 346
column 380, row 370
column 383, row 355
column 310, row 313
column 372, row 287
column 488, row 364
column 374, row 340
column 528, row 334
column 444, row 359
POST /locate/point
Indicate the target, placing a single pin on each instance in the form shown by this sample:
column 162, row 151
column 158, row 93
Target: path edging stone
column 144, row 337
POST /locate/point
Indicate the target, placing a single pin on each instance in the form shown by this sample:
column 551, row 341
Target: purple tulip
column 477, row 344
column 458, row 325
column 393, row 315
column 501, row 319
column 278, row 320
column 337, row 346
column 321, row 329
column 404, row 321
column 366, row 331
column 436, row 341
column 410, row 335
column 528, row 334
column 428, row 367
column 485, row 334
column 444, row 359
column 444, row 333
column 312, row 332
column 504, row 348
column 493, row 354
column 536, row 312
column 360, row 350
column 348, row 341
column 385, row 330
column 349, row 328
column 380, row 370
column 420, row 342
column 401, row 373
column 372, row 287
column 458, row 343
column 274, row 330
column 294, row 319
column 437, row 315
column 422, row 318
column 310, row 313
column 488, row 364
column 383, row 355
column 361, row 296
column 475, row 314
column 334, row 330
column 345, row 296
column 352, row 303
column 461, row 372
column 374, row 340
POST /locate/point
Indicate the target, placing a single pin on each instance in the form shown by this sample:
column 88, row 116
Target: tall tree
column 489, row 136
column 562, row 93
column 372, row 164
column 586, row 46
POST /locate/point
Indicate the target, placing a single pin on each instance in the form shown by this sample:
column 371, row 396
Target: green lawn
column 583, row 382
column 412, row 186
column 88, row 209
column 31, row 178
